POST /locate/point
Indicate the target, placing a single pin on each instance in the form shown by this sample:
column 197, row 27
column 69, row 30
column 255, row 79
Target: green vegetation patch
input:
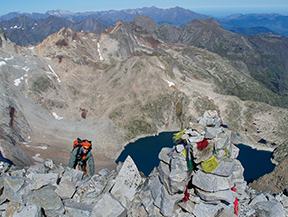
column 74, row 90
column 281, row 152
column 42, row 84
column 117, row 113
column 233, row 112
column 138, row 126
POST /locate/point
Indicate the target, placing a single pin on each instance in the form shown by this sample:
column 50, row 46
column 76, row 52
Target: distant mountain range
column 24, row 30
column 245, row 24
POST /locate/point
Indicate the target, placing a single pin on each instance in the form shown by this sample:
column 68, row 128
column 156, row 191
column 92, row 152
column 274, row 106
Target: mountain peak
column 145, row 22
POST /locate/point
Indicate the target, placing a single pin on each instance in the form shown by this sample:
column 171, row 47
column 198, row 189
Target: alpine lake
column 145, row 152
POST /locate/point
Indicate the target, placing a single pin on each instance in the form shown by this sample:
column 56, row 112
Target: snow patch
column 26, row 68
column 2, row 63
column 54, row 74
column 41, row 147
column 56, row 116
column 170, row 83
column 38, row 158
column 17, row 81
column 98, row 49
column 8, row 58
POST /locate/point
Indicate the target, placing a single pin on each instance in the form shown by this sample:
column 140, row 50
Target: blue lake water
column 145, row 152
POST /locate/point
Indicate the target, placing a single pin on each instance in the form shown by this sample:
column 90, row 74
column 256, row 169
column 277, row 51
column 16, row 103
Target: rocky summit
column 199, row 176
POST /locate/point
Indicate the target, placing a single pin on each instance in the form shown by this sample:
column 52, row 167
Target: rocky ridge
column 211, row 188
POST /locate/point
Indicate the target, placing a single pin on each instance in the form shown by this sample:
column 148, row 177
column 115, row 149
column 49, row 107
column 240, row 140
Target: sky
column 208, row 7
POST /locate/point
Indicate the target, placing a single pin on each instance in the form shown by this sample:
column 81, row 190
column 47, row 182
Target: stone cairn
column 199, row 176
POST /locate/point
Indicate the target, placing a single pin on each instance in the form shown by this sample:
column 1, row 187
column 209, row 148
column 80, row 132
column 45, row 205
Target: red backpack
column 79, row 142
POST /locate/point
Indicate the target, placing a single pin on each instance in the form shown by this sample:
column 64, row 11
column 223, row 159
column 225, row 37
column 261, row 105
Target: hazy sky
column 208, row 7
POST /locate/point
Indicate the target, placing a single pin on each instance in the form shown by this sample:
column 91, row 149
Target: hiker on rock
column 80, row 155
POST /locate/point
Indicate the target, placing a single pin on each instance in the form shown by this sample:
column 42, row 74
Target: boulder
column 225, row 167
column 30, row 210
column 211, row 132
column 14, row 189
column 108, row 206
column 48, row 200
column 127, row 180
column 258, row 198
column 163, row 155
column 210, row 182
column 222, row 139
column 66, row 188
column 209, row 210
column 226, row 195
column 49, row 178
column 74, row 175
column 225, row 213
column 162, row 199
column 78, row 210
column 13, row 207
column 269, row 208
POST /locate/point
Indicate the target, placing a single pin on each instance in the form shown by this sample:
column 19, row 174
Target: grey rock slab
column 147, row 201
column 222, row 139
column 163, row 155
column 168, row 201
column 30, row 210
column 237, row 174
column 155, row 187
column 211, row 132
column 225, row 167
column 179, row 165
column 225, row 213
column 127, row 180
column 210, row 182
column 269, row 209
column 48, row 200
column 258, row 198
column 179, row 148
column 233, row 151
column 66, row 188
column 209, row 210
column 104, row 172
column 76, row 175
column 164, row 172
column 108, row 206
column 49, row 178
column 162, row 199
column 78, row 210
column 227, row 195
column 187, row 206
column 12, row 207
column 14, row 188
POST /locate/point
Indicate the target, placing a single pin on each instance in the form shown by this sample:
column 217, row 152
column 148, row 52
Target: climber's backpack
column 79, row 142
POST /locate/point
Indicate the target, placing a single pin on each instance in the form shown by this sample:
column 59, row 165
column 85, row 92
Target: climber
column 80, row 155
